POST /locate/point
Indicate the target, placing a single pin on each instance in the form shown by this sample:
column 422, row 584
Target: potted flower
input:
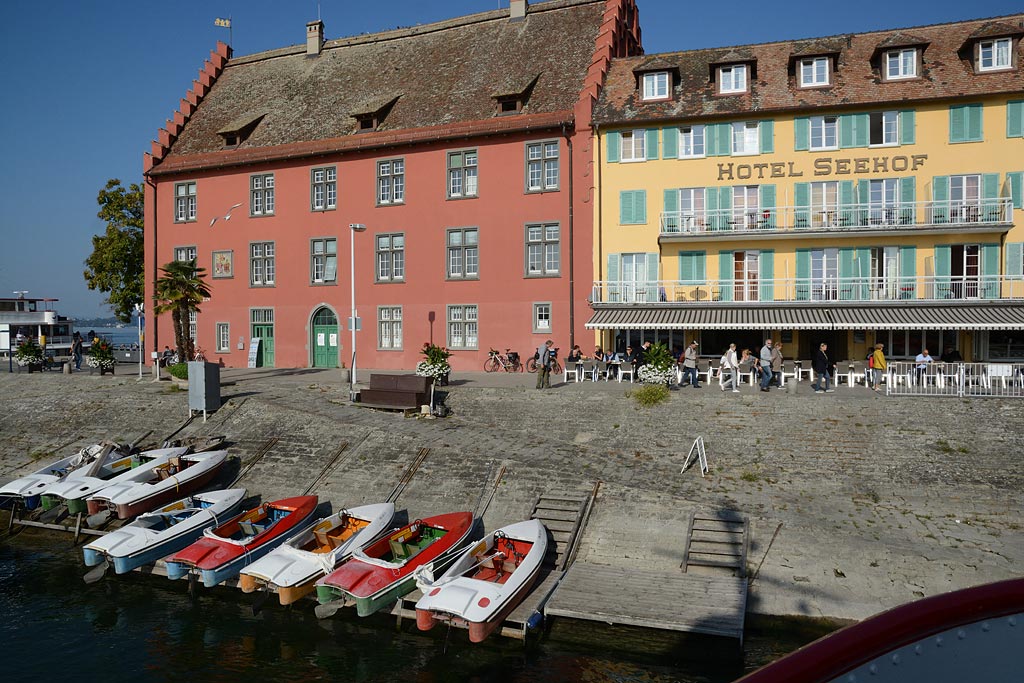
column 101, row 355
column 658, row 367
column 435, row 363
column 30, row 354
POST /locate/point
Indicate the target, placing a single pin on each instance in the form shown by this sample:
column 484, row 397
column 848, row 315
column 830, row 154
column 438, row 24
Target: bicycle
column 556, row 367
column 199, row 354
column 509, row 362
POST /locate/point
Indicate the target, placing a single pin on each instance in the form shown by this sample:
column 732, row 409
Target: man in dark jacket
column 822, row 367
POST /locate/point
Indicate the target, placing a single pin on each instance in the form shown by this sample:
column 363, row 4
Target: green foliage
column 659, row 357
column 651, row 395
column 29, row 353
column 179, row 291
column 116, row 265
column 180, row 370
column 435, row 354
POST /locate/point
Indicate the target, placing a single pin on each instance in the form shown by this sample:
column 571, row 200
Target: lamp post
column 353, row 322
column 138, row 315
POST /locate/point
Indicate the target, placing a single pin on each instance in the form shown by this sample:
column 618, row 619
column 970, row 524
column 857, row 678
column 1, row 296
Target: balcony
column 852, row 219
column 830, row 289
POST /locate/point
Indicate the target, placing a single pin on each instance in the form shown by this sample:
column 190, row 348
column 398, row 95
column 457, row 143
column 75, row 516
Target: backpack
column 871, row 361
column 536, row 355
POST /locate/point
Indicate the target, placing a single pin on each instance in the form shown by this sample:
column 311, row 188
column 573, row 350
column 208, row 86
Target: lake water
column 53, row 626
column 128, row 335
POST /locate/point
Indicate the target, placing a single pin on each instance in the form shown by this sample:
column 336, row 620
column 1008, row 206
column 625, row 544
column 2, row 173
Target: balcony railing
column 849, row 218
column 852, row 289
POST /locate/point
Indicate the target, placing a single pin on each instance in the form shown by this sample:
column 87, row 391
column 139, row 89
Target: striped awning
column 841, row 317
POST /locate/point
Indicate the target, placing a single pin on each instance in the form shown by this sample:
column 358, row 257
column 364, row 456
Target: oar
column 328, row 610
column 99, row 519
column 96, row 573
column 261, row 599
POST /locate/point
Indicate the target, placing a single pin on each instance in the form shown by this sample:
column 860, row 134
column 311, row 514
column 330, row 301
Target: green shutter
column 943, row 258
column 766, row 201
column 723, row 133
column 847, row 272
column 685, row 267
column 651, row 144
column 710, row 140
column 766, row 131
column 614, row 141
column 990, row 186
column 691, row 267
column 847, row 203
column 724, row 207
column 1015, row 259
column 652, row 278
column 801, row 133
column 861, row 130
column 670, row 138
column 803, row 274
column 908, row 134
column 699, row 268
column 940, row 199
column 802, row 200
column 863, row 199
column 1015, row 119
column 1016, row 181
column 957, row 123
column 766, row 275
column 863, row 272
column 989, row 271
column 908, row 272
column 640, row 206
column 711, row 208
column 626, row 207
column 613, row 277
column 725, row 275
column 974, row 124
column 846, row 124
column 908, row 210
column 671, row 222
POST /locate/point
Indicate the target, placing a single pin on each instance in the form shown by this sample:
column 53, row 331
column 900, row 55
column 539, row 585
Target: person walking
column 690, row 365
column 777, row 359
column 878, row 366
column 77, row 350
column 822, row 367
column 730, row 364
column 544, row 365
column 766, row 364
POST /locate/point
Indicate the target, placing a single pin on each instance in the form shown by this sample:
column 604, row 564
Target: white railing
column 839, row 218
column 848, row 289
column 955, row 379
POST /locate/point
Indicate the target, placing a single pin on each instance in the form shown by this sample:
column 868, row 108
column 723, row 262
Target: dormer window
column 900, row 64
column 994, row 54
column 370, row 114
column 509, row 105
column 732, row 79
column 814, row 72
column 656, row 86
column 236, row 132
column 513, row 94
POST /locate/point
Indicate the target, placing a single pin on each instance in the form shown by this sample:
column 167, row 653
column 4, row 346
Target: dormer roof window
column 732, row 79
column 512, row 95
column 239, row 130
column 900, row 64
column 656, row 86
column 995, row 54
column 371, row 113
column 815, row 72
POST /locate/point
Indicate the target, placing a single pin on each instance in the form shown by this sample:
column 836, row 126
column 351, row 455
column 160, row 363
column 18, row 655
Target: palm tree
column 180, row 290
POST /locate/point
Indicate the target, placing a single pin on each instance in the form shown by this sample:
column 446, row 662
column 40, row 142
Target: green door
column 325, row 339
column 265, row 355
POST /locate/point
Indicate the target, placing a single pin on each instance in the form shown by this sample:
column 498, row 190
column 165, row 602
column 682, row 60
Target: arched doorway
column 324, row 338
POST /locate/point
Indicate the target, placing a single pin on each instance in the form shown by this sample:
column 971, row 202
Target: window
column 824, row 273
column 745, row 139
column 543, row 253
column 391, row 257
column 223, row 337
column 691, row 207
column 633, row 145
column 885, row 273
column 965, row 198
column 825, row 204
column 901, row 64
column 732, row 79
column 745, row 207
column 261, row 195
column 824, row 132
column 462, row 327
column 463, row 253
column 882, row 201
column 965, row 123
column 261, row 264
column 389, row 328
column 994, row 54
column 462, row 174
column 542, row 166
column 184, row 253
column 656, row 86
column 691, row 142
column 884, row 128
column 323, row 260
column 184, row 202
column 324, row 188
column 542, row 318
column 746, row 266
column 391, row 181
column 193, row 326
column 814, row 72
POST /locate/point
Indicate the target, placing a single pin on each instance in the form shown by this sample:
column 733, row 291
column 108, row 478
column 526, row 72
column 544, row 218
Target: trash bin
column 203, row 386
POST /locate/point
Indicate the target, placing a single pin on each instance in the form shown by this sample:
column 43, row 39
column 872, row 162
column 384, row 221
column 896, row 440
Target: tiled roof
column 946, row 73
column 443, row 74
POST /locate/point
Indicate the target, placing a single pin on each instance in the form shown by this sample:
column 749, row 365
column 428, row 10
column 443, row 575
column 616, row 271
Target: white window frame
column 692, row 142
column 223, row 336
column 746, row 206
column 463, row 177
column 389, row 250
column 185, row 254
column 732, row 79
column 823, row 196
column 635, row 143
column 691, row 208
column 815, row 72
column 825, row 274
column 543, row 256
column 463, row 326
column 751, row 141
column 193, row 326
column 656, row 86
column 391, row 181
column 745, row 282
column 323, row 188
column 262, row 264
column 542, row 317
column 389, row 328
column 827, row 128
column 901, row 64
column 542, row 172
column 323, row 260
column 261, row 194
column 185, row 202
column 463, row 258
column 890, row 122
column 1001, row 56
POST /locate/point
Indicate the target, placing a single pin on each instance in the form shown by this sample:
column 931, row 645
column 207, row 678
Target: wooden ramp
column 672, row 601
column 718, row 541
column 564, row 515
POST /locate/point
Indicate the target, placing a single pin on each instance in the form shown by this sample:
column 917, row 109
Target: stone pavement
column 858, row 502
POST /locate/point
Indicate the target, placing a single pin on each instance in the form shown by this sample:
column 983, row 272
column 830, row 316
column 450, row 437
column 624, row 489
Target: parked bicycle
column 200, row 354
column 556, row 367
column 509, row 362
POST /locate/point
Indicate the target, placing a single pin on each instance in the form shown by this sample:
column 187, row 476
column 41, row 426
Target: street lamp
column 353, row 322
column 138, row 314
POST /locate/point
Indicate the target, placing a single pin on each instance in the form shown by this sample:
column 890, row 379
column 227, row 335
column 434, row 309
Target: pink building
column 463, row 148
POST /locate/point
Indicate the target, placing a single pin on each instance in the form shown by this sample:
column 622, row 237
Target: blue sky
column 87, row 84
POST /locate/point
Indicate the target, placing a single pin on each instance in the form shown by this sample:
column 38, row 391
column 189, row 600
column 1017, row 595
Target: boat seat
column 250, row 529
column 398, row 550
column 322, row 539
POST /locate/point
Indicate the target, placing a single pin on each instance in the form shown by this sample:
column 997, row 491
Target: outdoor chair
column 587, row 370
column 714, row 370
column 803, row 369
column 793, row 372
column 626, row 369
column 571, row 370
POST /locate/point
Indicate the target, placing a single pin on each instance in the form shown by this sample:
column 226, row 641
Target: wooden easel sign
column 702, row 458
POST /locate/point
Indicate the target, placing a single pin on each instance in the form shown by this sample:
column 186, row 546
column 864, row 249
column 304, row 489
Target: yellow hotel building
column 851, row 189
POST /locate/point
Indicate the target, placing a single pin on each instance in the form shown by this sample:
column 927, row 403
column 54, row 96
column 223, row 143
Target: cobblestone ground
column 857, row 502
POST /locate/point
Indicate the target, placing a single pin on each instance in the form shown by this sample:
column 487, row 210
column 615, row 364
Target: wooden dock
column 672, row 601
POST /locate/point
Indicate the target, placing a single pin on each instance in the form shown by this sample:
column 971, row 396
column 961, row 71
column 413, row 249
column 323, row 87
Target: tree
column 179, row 291
column 116, row 265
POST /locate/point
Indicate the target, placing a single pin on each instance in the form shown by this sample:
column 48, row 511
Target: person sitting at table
column 575, row 355
column 598, row 354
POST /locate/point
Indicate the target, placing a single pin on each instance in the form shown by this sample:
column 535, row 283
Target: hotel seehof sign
column 823, row 166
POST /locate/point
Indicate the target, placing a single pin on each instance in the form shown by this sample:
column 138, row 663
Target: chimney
column 314, row 38
column 517, row 10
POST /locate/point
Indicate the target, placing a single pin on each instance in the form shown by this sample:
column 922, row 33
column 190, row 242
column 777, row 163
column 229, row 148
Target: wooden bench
column 396, row 392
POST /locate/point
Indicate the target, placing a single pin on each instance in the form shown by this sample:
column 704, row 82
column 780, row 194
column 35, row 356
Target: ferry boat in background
column 34, row 318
